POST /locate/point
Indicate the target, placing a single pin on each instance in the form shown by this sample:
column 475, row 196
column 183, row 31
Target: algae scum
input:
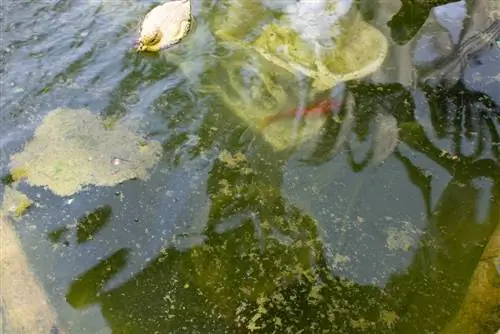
column 147, row 201
column 73, row 149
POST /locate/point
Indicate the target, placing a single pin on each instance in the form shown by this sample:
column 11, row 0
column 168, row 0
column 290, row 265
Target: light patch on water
column 14, row 203
column 403, row 238
column 389, row 318
column 339, row 260
column 24, row 305
column 74, row 148
column 112, row 6
column 232, row 160
column 451, row 17
column 485, row 187
column 386, row 137
column 196, row 54
column 315, row 20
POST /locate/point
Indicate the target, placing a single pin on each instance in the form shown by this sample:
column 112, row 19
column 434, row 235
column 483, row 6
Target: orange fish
column 320, row 107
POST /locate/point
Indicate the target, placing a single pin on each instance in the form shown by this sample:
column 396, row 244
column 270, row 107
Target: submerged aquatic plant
column 289, row 57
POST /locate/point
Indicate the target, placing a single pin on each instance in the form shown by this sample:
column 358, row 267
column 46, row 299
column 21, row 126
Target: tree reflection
column 411, row 17
column 455, row 237
column 263, row 268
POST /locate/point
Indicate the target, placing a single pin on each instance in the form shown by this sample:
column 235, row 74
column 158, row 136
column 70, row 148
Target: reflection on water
column 376, row 226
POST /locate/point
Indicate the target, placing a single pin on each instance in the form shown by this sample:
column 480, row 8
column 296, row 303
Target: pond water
column 226, row 234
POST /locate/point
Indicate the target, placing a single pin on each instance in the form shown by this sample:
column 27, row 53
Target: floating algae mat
column 276, row 49
column 75, row 148
column 14, row 203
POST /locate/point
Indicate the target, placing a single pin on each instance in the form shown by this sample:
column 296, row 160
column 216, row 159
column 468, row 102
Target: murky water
column 366, row 229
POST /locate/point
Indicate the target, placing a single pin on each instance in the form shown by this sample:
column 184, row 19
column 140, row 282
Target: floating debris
column 403, row 238
column 14, row 203
column 232, row 160
column 73, row 148
column 389, row 318
column 165, row 25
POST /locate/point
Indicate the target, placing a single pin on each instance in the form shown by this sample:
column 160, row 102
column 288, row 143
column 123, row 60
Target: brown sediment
column 479, row 311
column 24, row 306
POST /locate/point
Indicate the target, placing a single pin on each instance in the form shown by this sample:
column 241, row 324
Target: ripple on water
column 77, row 54
column 73, row 50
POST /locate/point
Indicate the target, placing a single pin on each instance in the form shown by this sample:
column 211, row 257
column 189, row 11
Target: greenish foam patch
column 14, row 203
column 75, row 148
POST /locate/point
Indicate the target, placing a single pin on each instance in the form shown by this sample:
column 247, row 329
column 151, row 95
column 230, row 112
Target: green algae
column 14, row 202
column 72, row 149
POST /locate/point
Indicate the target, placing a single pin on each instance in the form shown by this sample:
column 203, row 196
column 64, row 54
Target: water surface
column 228, row 236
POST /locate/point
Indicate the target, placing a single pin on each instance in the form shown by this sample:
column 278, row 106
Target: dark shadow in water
column 244, row 273
column 440, row 273
column 91, row 224
column 262, row 266
column 85, row 289
column 457, row 113
column 87, row 226
column 411, row 17
column 419, row 178
column 56, row 235
column 8, row 180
